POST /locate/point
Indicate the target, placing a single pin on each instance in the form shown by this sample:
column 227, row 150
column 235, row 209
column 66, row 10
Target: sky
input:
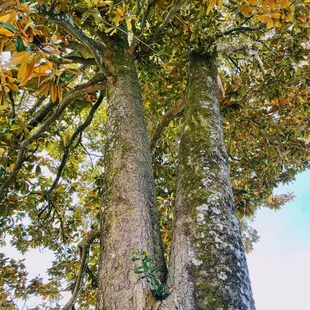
column 279, row 265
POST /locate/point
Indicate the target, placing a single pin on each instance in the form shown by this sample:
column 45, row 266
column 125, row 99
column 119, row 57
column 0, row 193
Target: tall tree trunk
column 208, row 264
column 129, row 219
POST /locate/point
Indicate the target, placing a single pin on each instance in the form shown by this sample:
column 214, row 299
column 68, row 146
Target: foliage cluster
column 52, row 122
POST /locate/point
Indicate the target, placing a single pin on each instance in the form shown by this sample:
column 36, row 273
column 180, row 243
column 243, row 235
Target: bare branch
column 165, row 120
column 42, row 114
column 84, row 252
column 167, row 19
column 239, row 29
column 82, row 60
column 36, row 105
column 228, row 49
column 77, row 132
column 78, row 92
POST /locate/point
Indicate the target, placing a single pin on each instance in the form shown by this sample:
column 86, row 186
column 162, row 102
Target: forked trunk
column 208, row 264
column 129, row 219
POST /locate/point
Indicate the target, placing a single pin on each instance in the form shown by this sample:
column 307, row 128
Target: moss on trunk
column 208, row 264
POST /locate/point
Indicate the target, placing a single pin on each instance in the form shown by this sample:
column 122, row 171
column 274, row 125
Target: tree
column 120, row 70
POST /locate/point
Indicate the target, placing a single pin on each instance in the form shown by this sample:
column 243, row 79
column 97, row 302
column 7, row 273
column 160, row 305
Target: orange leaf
column 266, row 20
column 210, row 6
column 284, row 3
column 246, row 10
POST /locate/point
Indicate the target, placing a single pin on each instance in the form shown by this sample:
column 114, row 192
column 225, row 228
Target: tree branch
column 95, row 48
column 78, row 92
column 165, row 120
column 78, row 131
column 82, row 60
column 167, row 19
column 84, row 252
column 42, row 114
column 36, row 105
column 137, row 35
column 239, row 29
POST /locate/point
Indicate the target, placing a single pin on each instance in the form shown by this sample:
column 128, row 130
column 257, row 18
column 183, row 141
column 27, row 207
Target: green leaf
column 9, row 27
column 19, row 45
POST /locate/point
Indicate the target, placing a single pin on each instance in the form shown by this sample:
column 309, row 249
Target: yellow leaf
column 53, row 93
column 284, row 3
column 266, row 20
column 13, row 87
column 210, row 6
column 289, row 16
column 43, row 89
column 219, row 3
column 19, row 58
column 59, row 92
column 11, row 167
column 10, row 79
column 58, row 72
column 276, row 23
column 5, row 18
column 6, row 33
column 276, row 15
column 2, row 42
column 28, row 73
column 128, row 24
column 22, row 70
column 42, row 69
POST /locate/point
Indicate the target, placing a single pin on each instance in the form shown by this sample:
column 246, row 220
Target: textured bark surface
column 129, row 219
column 208, row 264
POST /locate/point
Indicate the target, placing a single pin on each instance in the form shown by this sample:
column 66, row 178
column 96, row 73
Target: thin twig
column 94, row 47
column 78, row 131
column 165, row 120
column 171, row 13
column 84, row 252
column 78, row 92
column 239, row 29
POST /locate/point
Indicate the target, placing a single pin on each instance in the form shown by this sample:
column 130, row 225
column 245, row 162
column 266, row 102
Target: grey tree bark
column 208, row 265
column 129, row 219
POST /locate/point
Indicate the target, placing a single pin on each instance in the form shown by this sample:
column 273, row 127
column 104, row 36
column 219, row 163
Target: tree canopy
column 54, row 115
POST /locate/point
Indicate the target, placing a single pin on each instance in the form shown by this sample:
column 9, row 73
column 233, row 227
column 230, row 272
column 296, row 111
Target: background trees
column 62, row 53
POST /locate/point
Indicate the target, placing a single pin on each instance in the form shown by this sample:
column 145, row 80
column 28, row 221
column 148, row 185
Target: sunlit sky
column 280, row 263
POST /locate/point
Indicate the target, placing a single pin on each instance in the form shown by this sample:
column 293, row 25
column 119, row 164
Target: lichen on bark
column 208, row 265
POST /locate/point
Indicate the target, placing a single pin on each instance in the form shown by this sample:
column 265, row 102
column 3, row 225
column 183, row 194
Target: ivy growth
column 147, row 271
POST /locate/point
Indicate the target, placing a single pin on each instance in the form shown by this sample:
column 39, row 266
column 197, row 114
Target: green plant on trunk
column 147, row 271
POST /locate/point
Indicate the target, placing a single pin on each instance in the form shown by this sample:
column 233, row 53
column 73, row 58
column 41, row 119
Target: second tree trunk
column 208, row 264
